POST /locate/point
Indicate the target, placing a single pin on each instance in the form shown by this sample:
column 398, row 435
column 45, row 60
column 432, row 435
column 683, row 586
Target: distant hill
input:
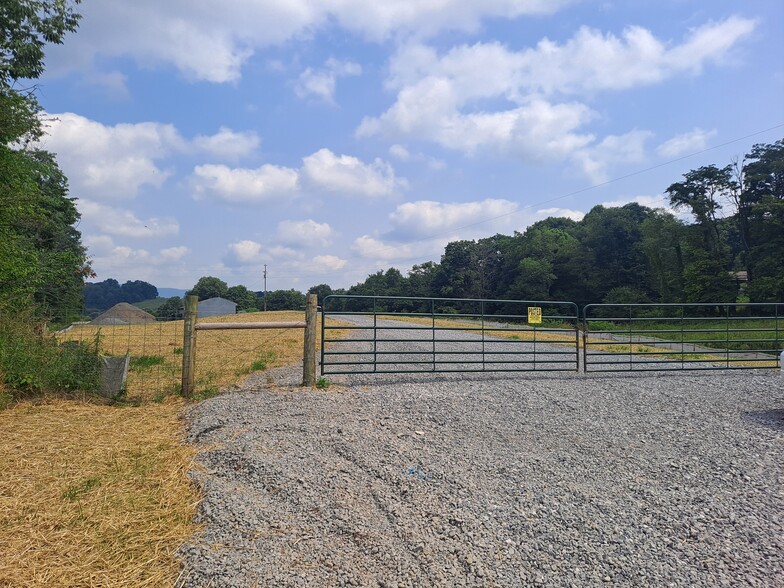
column 169, row 292
column 150, row 305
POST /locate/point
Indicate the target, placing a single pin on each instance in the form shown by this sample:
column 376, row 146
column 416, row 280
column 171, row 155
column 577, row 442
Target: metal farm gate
column 658, row 337
column 387, row 334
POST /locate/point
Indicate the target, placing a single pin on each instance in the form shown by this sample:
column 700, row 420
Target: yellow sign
column 535, row 314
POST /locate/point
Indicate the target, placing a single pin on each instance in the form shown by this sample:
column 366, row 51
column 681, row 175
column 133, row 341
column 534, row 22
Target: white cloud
column 612, row 150
column 204, row 43
column 644, row 200
column 349, row 175
column 228, row 145
column 427, row 218
column 444, row 98
column 243, row 185
column 120, row 222
column 331, row 262
column 171, row 254
column 110, row 162
column 372, row 248
column 575, row 215
column 321, row 82
column 245, row 252
column 400, row 153
column 691, row 142
column 304, row 233
column 122, row 262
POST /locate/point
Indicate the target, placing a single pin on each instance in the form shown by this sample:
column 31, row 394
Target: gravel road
column 673, row 479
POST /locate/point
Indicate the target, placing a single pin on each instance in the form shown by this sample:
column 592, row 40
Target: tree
column 322, row 291
column 244, row 298
column 26, row 26
column 209, row 287
column 42, row 260
column 172, row 309
column 762, row 201
column 285, row 300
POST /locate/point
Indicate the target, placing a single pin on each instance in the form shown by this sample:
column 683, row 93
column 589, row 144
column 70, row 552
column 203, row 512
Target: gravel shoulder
column 527, row 479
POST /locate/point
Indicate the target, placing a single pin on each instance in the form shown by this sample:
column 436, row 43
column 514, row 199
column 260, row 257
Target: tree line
column 733, row 251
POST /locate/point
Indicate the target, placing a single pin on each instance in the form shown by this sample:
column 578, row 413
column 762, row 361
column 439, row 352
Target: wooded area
column 732, row 251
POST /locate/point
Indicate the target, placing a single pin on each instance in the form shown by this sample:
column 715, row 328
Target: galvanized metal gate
column 657, row 337
column 387, row 334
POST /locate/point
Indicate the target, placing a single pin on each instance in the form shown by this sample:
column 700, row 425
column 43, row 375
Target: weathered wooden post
column 309, row 357
column 189, row 345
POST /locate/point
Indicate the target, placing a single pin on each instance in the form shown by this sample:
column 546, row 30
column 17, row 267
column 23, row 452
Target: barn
column 216, row 306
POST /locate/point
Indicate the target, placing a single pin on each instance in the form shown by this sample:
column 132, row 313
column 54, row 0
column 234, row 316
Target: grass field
column 223, row 358
column 735, row 333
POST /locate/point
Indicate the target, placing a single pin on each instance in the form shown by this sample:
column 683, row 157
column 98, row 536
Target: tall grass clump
column 32, row 361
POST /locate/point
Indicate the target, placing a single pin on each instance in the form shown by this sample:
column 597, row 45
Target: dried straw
column 93, row 495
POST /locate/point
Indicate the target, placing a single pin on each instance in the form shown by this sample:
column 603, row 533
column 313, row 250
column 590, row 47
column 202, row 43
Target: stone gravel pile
column 521, row 480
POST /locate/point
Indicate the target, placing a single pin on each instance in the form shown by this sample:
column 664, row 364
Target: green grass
column 259, row 365
column 143, row 362
column 712, row 333
column 151, row 304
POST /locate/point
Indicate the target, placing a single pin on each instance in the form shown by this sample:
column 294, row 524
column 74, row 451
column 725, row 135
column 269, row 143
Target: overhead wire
column 520, row 210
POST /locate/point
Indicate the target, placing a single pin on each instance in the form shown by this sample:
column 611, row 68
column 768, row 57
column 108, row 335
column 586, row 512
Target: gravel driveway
column 672, row 479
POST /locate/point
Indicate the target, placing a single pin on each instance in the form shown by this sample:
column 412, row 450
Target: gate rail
column 656, row 337
column 446, row 335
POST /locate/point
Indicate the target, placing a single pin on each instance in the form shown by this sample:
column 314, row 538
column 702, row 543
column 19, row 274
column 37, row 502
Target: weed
column 178, row 351
column 74, row 492
column 322, row 383
column 6, row 400
column 205, row 393
column 146, row 361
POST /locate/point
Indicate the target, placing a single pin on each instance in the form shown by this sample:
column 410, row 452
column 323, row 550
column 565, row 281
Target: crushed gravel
column 672, row 479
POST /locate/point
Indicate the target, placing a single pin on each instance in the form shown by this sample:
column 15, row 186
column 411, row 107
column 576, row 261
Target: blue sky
column 332, row 138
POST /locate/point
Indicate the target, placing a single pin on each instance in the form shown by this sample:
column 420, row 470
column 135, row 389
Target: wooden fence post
column 309, row 357
column 189, row 345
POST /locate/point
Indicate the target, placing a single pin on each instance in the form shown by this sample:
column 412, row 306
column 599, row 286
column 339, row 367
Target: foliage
column 26, row 26
column 42, row 261
column 284, row 300
column 209, row 287
column 244, row 298
column 171, row 309
column 100, row 296
column 625, row 254
column 322, row 291
column 32, row 361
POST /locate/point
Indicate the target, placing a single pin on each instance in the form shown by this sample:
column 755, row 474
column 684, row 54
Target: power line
column 529, row 206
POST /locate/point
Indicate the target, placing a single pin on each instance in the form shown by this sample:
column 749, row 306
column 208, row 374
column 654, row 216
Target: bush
column 32, row 361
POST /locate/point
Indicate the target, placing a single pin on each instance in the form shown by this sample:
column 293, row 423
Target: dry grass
column 223, row 358
column 93, row 495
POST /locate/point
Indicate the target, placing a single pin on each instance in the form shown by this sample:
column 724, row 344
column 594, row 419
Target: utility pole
column 265, row 287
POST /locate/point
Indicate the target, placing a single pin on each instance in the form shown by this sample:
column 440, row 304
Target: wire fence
column 155, row 348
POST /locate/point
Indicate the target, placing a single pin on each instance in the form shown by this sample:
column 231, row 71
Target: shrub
column 32, row 361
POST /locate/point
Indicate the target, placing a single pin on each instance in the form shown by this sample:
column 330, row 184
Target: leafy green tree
column 26, row 26
column 285, row 300
column 662, row 236
column 172, row 309
column 42, row 261
column 244, row 298
column 762, row 201
column 322, row 291
column 209, row 287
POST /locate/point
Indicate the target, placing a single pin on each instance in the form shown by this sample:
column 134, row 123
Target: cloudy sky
column 331, row 138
